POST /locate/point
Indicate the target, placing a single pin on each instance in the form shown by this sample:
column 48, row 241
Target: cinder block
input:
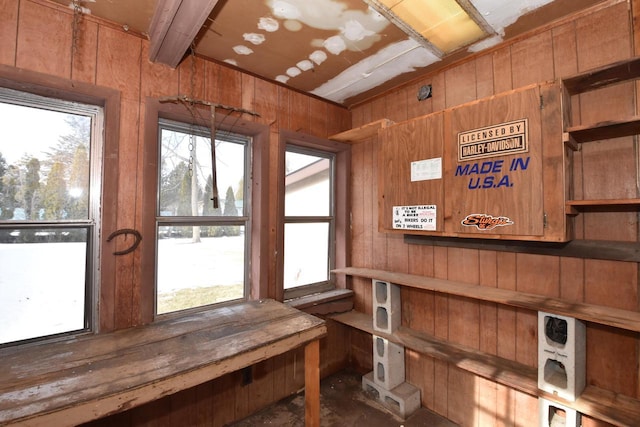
column 386, row 306
column 561, row 355
column 402, row 400
column 555, row 415
column 388, row 363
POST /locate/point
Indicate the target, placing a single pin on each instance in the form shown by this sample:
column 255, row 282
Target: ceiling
column 344, row 51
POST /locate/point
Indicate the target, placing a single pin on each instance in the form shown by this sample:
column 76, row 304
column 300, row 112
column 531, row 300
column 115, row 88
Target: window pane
column 307, row 185
column 306, row 254
column 44, row 164
column 186, row 180
column 46, row 300
column 193, row 273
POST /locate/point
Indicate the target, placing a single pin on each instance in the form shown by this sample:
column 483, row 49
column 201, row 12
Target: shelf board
column 602, row 404
column 361, row 133
column 604, row 130
column 618, row 318
column 573, row 207
column 608, row 75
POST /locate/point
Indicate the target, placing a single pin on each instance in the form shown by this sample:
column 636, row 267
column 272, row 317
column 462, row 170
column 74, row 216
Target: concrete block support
column 387, row 380
column 386, row 306
column 388, row 363
column 555, row 415
column 561, row 355
column 402, row 400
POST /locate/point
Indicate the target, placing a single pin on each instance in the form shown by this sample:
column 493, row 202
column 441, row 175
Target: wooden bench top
column 77, row 380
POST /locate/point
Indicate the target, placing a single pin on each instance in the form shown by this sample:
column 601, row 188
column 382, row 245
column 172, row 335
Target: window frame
column 100, row 316
column 258, row 260
column 297, row 291
column 242, row 220
column 340, row 246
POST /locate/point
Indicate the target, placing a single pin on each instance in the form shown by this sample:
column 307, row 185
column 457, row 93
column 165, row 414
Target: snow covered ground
column 41, row 289
column 42, row 284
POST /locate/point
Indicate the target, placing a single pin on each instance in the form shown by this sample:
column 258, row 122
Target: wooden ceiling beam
column 174, row 26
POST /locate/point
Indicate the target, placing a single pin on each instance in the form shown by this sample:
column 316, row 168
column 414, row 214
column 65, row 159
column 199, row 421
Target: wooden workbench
column 78, row 380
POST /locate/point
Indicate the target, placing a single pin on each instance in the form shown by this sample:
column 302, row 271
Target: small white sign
column 423, row 170
column 421, row 217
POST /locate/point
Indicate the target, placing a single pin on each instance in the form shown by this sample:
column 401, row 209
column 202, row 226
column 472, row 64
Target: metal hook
column 136, row 234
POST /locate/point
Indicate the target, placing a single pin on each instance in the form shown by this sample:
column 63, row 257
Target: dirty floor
column 343, row 403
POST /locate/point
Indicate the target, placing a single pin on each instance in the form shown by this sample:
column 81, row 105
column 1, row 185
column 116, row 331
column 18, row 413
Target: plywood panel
column 191, row 81
column 532, row 60
column 613, row 284
column 400, row 145
column 299, row 112
column 8, row 31
column 248, row 98
column 487, row 276
column 118, row 64
column 464, row 314
column 396, row 105
column 397, row 253
column 212, row 82
column 369, row 201
column 603, row 37
column 498, row 189
column 266, row 102
column 159, row 80
column 461, row 391
column 318, row 118
column 44, row 45
column 506, row 315
column 338, row 119
column 502, row 75
column 565, row 55
column 416, row 108
column 460, row 83
column 229, row 87
column 484, row 76
column 83, row 67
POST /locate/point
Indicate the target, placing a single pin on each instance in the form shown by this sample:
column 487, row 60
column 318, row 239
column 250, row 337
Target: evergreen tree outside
column 78, row 202
column 230, row 209
column 54, row 194
column 209, row 210
column 10, row 180
column 170, row 188
column 184, row 203
column 29, row 194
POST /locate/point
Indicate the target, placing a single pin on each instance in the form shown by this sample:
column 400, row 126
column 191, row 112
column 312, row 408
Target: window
column 309, row 223
column 50, row 169
column 202, row 250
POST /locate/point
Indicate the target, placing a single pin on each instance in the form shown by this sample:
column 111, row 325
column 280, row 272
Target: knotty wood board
column 624, row 319
column 602, row 404
column 78, row 380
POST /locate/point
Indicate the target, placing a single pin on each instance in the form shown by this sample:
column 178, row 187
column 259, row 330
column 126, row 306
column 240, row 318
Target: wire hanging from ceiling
column 190, row 103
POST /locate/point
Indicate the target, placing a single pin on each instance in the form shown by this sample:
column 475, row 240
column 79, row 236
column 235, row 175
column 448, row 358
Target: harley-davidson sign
column 492, row 141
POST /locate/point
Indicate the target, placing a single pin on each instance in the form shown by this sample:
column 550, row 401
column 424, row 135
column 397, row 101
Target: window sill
column 329, row 302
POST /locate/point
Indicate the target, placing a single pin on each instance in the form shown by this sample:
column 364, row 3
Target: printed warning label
column 420, row 217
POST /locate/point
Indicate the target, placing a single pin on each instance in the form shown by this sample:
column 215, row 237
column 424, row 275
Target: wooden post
column 312, row 384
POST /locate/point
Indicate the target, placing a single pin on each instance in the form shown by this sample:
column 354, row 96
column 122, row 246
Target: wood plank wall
column 38, row 36
column 599, row 37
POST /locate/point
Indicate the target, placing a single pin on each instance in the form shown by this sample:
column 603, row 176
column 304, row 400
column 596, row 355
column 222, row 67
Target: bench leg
column 312, row 384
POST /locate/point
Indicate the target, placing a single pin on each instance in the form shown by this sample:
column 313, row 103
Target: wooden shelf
column 361, row 133
column 604, row 130
column 575, row 206
column 623, row 319
column 604, row 405
column 611, row 74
